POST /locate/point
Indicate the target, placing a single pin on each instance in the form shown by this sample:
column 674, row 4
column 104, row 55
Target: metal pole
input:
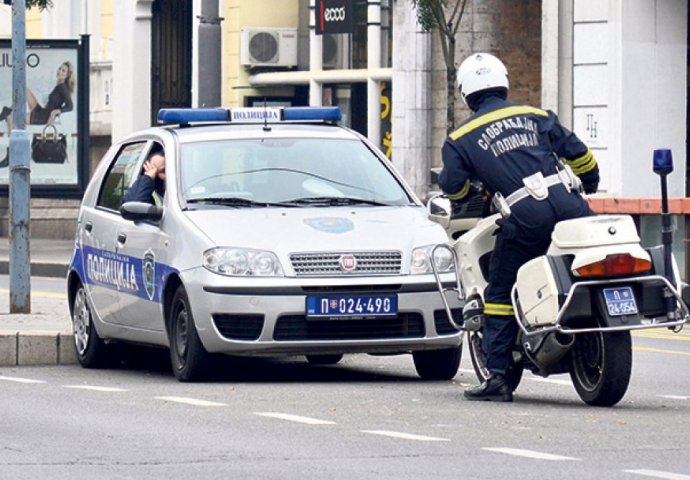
column 20, row 183
column 666, row 231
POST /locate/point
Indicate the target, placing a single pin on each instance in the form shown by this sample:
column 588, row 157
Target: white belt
column 536, row 186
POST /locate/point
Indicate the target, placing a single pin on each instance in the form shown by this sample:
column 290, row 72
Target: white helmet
column 481, row 71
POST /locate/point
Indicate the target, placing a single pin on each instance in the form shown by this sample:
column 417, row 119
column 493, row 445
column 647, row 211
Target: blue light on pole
column 663, row 161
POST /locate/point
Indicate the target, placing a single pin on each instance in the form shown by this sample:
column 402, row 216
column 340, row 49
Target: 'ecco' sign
column 335, row 16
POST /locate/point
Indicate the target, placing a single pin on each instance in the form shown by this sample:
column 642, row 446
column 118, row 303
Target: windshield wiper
column 337, row 201
column 238, row 202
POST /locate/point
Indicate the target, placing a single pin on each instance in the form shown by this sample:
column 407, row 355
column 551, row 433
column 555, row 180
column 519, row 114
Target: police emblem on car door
column 149, row 273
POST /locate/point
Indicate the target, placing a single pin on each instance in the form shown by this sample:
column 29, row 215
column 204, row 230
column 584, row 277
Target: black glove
column 590, row 187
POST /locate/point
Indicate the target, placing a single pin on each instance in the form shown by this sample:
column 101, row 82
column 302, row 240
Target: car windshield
column 292, row 172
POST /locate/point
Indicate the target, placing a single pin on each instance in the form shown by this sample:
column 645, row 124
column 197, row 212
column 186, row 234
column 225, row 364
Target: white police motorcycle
column 576, row 305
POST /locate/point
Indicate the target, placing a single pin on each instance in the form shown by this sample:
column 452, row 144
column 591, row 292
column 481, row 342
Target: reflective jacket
column 504, row 142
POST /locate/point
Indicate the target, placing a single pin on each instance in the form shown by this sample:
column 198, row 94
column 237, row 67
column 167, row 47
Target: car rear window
column 281, row 170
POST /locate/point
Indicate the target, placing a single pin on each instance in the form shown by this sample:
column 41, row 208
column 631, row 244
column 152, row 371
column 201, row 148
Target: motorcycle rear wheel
column 600, row 367
column 478, row 356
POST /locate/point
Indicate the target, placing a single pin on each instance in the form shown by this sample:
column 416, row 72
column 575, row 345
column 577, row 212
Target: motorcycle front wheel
column 475, row 340
column 600, row 367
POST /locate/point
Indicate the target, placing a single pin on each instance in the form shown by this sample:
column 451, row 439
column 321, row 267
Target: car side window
column 119, row 177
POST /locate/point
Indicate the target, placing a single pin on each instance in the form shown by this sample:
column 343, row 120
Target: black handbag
column 49, row 148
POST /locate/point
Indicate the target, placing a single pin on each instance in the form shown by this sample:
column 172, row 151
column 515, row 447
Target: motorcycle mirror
column 438, row 208
column 663, row 161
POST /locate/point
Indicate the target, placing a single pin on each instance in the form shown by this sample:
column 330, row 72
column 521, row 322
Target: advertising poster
column 52, row 112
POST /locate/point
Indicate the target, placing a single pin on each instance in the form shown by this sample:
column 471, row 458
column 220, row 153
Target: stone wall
column 509, row 29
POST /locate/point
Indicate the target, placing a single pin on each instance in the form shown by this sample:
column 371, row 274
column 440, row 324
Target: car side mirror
column 138, row 211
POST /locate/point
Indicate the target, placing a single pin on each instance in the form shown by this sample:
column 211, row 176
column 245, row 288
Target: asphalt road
column 368, row 417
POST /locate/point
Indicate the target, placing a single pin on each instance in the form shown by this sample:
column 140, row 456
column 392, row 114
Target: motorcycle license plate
column 620, row 301
column 351, row 306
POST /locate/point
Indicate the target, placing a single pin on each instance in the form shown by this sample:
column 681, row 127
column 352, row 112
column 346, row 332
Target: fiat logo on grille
column 347, row 262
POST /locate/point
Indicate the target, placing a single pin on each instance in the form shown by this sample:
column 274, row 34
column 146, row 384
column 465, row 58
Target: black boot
column 495, row 389
column 5, row 113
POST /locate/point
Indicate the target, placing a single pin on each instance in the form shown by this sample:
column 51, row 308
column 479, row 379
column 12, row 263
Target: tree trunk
column 451, row 87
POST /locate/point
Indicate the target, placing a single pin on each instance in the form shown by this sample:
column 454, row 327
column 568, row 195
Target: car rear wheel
column 438, row 364
column 324, row 359
column 190, row 360
column 92, row 352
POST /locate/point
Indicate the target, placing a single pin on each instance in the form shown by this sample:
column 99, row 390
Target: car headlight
column 243, row 262
column 421, row 260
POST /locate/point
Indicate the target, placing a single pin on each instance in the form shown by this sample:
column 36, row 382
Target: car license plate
column 351, row 306
column 620, row 301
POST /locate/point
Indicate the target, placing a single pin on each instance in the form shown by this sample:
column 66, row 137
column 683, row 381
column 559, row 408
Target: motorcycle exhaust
column 552, row 349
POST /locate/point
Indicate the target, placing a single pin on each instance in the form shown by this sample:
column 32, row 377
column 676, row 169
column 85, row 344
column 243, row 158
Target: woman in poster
column 59, row 101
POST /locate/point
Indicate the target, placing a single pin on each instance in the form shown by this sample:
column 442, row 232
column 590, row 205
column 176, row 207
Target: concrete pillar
column 131, row 67
column 207, row 64
column 373, row 63
column 411, row 98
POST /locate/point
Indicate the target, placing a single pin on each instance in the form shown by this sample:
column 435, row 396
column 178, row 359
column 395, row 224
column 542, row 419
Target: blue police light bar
column 325, row 114
column 181, row 116
column 168, row 116
column 663, row 161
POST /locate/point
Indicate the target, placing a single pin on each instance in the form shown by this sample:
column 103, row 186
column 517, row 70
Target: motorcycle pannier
column 537, row 292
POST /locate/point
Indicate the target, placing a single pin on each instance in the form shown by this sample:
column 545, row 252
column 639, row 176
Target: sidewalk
column 44, row 336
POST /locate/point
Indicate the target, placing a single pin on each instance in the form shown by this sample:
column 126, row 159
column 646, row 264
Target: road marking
column 683, row 335
column 406, row 436
column 95, row 388
column 192, row 401
column 675, row 397
column 659, row 474
column 659, row 350
column 529, row 454
column 294, row 418
column 38, row 293
column 20, row 380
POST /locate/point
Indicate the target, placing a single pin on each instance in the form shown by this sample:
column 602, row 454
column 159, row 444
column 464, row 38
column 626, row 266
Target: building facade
column 615, row 70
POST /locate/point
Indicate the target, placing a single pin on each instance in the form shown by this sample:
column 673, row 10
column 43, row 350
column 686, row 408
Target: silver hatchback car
column 278, row 233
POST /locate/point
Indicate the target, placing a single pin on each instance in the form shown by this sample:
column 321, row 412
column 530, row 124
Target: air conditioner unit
column 268, row 47
column 336, row 51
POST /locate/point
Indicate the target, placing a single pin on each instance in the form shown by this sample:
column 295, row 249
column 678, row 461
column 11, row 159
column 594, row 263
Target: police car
column 279, row 233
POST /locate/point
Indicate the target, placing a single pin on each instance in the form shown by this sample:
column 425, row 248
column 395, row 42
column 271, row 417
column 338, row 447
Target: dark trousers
column 526, row 234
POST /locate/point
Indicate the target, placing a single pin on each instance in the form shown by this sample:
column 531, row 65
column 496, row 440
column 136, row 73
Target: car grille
column 328, row 263
column 239, row 327
column 443, row 326
column 297, row 327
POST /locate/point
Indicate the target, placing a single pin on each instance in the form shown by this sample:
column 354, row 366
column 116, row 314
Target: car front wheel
column 438, row 364
column 190, row 360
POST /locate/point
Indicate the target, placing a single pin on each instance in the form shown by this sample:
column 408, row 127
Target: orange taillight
column 615, row 265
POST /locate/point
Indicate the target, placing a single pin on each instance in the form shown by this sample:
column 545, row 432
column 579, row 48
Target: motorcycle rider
column 514, row 150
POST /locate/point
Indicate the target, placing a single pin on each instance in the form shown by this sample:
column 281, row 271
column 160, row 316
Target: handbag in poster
column 49, row 147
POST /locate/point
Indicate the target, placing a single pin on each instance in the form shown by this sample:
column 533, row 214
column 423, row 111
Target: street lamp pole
column 19, row 181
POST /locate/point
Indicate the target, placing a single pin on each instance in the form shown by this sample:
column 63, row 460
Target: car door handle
column 88, row 226
column 121, row 238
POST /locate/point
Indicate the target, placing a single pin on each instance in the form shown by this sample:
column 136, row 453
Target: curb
column 39, row 269
column 36, row 348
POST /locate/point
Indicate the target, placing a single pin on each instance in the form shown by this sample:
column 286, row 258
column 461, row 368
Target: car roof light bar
column 184, row 116
column 168, row 116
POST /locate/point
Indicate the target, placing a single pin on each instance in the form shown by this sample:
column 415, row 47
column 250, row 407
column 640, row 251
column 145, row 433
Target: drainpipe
column 209, row 55
column 315, row 58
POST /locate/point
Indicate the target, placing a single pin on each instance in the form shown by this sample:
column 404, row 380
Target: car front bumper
column 266, row 316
